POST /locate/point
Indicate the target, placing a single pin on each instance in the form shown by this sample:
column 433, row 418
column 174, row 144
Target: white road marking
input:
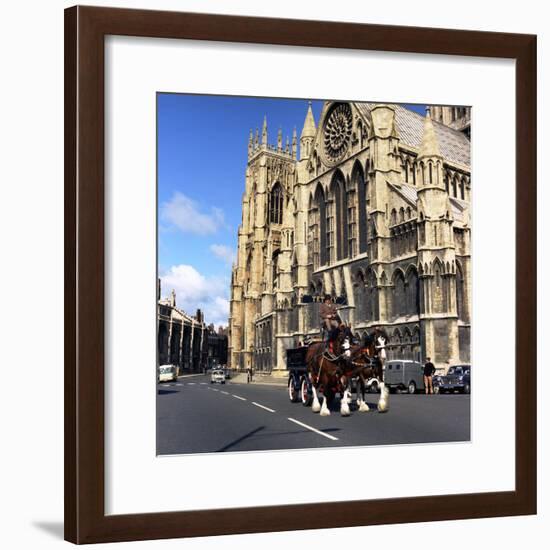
column 214, row 389
column 238, row 397
column 225, row 392
column 263, row 407
column 203, row 383
column 165, row 385
column 190, row 383
column 179, row 384
column 328, row 436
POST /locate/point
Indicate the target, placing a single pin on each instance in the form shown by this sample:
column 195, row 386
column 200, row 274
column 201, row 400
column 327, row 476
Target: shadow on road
column 257, row 431
column 164, row 392
column 334, row 405
column 237, row 441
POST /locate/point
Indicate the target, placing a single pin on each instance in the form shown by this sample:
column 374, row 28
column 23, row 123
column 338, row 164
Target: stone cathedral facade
column 375, row 211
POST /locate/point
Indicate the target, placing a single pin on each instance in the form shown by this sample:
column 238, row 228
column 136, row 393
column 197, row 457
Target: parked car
column 167, row 373
column 371, row 385
column 404, row 374
column 456, row 379
column 217, row 377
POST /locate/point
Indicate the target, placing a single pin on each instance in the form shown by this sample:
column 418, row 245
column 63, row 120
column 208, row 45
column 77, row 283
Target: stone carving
column 337, row 131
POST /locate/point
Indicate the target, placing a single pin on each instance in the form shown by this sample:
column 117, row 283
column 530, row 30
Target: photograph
column 314, row 273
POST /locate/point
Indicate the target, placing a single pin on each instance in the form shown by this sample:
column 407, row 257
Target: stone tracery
column 337, row 131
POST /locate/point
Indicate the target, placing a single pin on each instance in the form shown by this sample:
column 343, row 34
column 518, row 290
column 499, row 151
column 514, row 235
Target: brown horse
column 327, row 375
column 366, row 365
column 331, row 375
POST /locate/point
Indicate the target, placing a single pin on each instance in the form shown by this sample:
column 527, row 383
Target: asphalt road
column 194, row 416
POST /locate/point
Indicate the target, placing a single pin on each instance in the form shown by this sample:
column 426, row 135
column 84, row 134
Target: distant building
column 217, row 346
column 374, row 211
column 182, row 339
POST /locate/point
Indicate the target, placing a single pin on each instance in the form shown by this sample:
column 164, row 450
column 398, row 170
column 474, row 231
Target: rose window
column 338, row 126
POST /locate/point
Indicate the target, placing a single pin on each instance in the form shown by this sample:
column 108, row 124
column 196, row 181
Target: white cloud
column 184, row 214
column 225, row 253
column 196, row 291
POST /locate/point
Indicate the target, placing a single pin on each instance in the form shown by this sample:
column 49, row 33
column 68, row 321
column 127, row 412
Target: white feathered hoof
column 316, row 406
column 383, row 402
column 324, row 412
column 344, row 409
column 363, row 407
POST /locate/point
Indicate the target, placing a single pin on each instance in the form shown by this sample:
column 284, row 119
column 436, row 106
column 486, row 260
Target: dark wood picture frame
column 85, row 30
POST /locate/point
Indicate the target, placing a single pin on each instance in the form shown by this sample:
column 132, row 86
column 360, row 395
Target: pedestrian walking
column 429, row 370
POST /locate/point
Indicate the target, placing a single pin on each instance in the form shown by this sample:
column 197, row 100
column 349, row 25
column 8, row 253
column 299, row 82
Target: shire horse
column 332, row 374
column 366, row 364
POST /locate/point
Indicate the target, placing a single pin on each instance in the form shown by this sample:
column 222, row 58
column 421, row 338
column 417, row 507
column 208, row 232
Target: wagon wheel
column 305, row 393
column 293, row 393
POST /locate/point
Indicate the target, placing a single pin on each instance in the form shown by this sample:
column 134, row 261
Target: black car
column 456, row 379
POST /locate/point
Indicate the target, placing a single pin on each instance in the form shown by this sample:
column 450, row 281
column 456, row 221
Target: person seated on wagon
column 330, row 319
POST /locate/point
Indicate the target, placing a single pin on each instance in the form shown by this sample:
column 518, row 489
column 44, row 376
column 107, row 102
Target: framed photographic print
column 284, row 257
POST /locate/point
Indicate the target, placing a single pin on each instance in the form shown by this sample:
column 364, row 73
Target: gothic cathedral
column 375, row 211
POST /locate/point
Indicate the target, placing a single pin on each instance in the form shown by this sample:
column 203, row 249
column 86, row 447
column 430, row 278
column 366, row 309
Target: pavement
column 195, row 416
column 266, row 379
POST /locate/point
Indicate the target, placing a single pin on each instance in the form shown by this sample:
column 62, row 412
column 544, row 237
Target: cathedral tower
column 384, row 168
column 457, row 118
column 261, row 277
column 436, row 252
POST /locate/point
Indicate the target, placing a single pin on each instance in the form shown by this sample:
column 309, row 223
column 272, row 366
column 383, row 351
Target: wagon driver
column 330, row 319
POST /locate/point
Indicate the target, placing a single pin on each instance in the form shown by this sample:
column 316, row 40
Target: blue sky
column 202, row 155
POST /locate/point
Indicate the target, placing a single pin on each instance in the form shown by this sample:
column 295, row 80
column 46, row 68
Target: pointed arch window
column 413, row 297
column 359, row 292
column 322, row 225
column 252, row 209
column 351, row 201
column 275, row 272
column 460, row 293
column 329, row 231
column 313, row 234
column 399, row 295
column 371, row 296
column 358, row 177
column 339, row 217
column 276, row 204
